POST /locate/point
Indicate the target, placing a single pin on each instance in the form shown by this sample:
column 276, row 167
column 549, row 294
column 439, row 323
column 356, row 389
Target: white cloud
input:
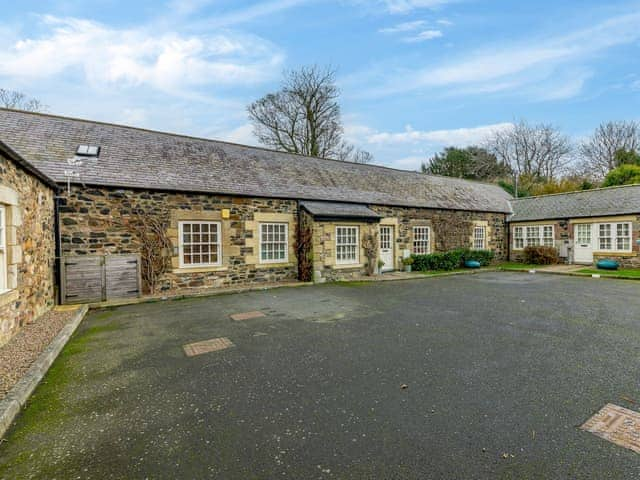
column 403, row 27
column 423, row 36
column 444, row 22
column 166, row 61
column 406, row 6
column 458, row 137
column 518, row 66
column 250, row 13
column 242, row 135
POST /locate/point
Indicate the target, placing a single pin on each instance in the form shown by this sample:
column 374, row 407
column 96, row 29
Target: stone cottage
column 584, row 226
column 232, row 214
column 27, row 242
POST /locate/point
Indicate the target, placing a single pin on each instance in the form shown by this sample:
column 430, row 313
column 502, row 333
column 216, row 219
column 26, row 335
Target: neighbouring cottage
column 232, row 214
column 584, row 226
column 27, row 242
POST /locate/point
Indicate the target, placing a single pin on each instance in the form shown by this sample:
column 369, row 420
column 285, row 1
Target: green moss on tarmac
column 46, row 406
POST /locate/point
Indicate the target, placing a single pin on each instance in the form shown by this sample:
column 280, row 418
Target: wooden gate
column 97, row 278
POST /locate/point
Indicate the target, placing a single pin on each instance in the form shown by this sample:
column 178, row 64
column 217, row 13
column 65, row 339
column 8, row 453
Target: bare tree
column 537, row 151
column 19, row 101
column 599, row 151
column 304, row 117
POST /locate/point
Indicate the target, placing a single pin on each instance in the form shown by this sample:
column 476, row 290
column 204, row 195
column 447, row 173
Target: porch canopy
column 327, row 211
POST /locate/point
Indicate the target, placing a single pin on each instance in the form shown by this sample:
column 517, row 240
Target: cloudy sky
column 415, row 75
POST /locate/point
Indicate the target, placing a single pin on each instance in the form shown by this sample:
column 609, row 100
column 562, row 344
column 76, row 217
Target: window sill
column 213, row 268
column 623, row 253
column 338, row 266
column 8, row 296
column 275, row 265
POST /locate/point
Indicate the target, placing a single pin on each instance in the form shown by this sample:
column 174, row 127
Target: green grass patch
column 623, row 272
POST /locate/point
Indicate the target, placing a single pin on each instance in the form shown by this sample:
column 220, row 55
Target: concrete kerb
column 17, row 397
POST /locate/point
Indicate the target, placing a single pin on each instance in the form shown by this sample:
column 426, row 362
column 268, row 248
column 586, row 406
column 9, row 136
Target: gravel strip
column 24, row 348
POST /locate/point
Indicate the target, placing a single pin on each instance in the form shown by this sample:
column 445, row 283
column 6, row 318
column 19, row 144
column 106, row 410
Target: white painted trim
column 614, row 238
column 181, row 245
column 413, row 243
column 357, row 244
column 524, row 237
column 286, row 250
column 4, row 264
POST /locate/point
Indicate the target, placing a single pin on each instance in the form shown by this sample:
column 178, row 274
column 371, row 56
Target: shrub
column 541, row 255
column 438, row 261
column 484, row 257
column 450, row 260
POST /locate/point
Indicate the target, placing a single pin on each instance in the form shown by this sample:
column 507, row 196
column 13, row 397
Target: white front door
column 386, row 247
column 583, row 243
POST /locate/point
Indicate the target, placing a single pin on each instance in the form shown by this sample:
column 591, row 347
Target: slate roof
column 339, row 210
column 9, row 153
column 600, row 202
column 137, row 158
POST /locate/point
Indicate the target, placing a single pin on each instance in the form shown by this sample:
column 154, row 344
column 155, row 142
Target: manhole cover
column 206, row 346
column 246, row 315
column 617, row 424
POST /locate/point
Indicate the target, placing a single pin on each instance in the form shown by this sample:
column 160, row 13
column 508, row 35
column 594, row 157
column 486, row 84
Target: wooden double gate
column 98, row 278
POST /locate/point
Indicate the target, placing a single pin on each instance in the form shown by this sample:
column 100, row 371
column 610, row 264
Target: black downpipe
column 57, row 269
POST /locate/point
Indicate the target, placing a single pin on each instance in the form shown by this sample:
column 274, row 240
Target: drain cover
column 246, row 315
column 617, row 424
column 206, row 346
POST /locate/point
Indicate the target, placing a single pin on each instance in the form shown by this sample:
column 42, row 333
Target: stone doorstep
column 17, row 397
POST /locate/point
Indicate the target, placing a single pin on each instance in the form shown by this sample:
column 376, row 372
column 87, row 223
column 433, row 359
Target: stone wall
column 564, row 236
column 449, row 230
column 96, row 221
column 561, row 234
column 30, row 248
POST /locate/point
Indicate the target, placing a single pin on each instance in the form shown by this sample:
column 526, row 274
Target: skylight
column 88, row 150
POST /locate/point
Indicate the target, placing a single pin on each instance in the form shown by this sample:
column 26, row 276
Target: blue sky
column 415, row 75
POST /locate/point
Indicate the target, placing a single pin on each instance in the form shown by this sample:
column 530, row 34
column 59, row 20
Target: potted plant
column 407, row 262
column 380, row 265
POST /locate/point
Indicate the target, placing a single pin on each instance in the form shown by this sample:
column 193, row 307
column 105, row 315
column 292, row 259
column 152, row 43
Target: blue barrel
column 607, row 264
column 471, row 264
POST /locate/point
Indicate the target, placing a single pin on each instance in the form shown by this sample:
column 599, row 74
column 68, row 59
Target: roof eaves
column 17, row 158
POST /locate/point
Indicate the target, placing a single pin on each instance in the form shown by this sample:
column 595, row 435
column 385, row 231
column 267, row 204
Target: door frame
column 392, row 230
column 575, row 242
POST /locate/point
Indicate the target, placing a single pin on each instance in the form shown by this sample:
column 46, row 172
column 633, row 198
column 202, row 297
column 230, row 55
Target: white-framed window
column 3, row 249
column 347, row 245
column 533, row 236
column 614, row 236
column 547, row 235
column 479, row 237
column 518, row 238
column 200, row 244
column 274, row 243
column 421, row 240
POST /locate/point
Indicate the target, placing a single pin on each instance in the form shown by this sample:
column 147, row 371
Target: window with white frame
column 274, row 245
column 199, row 244
column 614, row 236
column 518, row 237
column 421, row 240
column 533, row 236
column 3, row 249
column 479, row 237
column 347, row 245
